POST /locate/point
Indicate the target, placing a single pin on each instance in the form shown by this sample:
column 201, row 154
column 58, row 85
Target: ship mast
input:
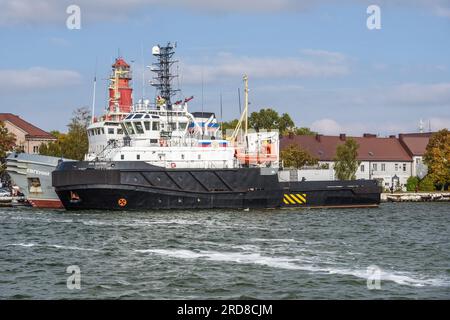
column 244, row 116
column 162, row 80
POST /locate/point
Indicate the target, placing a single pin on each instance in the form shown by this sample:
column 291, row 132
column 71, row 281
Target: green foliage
column 303, row 131
column 7, row 143
column 270, row 119
column 427, row 184
column 295, row 157
column 73, row 145
column 345, row 160
column 7, row 140
column 437, row 157
column 230, row 125
column 412, row 184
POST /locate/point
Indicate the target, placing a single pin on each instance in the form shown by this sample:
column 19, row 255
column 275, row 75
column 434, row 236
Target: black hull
column 139, row 186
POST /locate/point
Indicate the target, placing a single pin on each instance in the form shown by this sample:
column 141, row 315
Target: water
column 228, row 254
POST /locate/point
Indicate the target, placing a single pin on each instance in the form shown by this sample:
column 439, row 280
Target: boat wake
column 301, row 263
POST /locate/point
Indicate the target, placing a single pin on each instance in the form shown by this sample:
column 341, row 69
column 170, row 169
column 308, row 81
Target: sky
column 316, row 60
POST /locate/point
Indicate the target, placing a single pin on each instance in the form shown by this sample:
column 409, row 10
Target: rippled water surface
column 268, row 254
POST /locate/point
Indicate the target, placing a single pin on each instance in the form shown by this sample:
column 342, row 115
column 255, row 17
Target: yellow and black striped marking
column 294, row 199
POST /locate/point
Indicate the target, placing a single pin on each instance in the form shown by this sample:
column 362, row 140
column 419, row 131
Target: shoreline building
column 389, row 160
column 28, row 137
column 416, row 145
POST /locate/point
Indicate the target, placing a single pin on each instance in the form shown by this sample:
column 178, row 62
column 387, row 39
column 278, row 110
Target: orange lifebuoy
column 122, row 202
column 173, row 165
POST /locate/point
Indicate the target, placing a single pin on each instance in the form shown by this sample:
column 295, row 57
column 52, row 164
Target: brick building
column 28, row 137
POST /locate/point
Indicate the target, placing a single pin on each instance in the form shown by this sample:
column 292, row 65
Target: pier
column 416, row 197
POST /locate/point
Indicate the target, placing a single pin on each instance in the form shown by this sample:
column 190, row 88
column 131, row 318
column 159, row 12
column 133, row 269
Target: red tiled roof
column 370, row 148
column 31, row 130
column 415, row 143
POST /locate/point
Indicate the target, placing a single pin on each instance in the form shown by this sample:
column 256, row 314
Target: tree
column 346, row 162
column 270, row 119
column 230, row 125
column 285, row 124
column 7, row 140
column 295, row 157
column 427, row 184
column 73, row 145
column 437, row 158
column 7, row 143
column 303, row 131
column 412, row 184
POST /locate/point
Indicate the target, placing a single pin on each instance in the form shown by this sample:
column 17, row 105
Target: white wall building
column 386, row 159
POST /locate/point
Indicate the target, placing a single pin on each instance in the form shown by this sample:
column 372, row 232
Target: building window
column 404, row 167
column 374, row 167
column 36, row 149
column 396, row 167
column 110, row 130
column 138, row 157
column 122, row 156
column 362, row 168
column 383, row 167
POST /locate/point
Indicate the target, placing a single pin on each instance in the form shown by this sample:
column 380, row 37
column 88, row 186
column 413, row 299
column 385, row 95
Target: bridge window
column 155, row 126
column 139, row 128
column 138, row 116
column 147, row 125
column 182, row 125
column 110, row 130
column 129, row 128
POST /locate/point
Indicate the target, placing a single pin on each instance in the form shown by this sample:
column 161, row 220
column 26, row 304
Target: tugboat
column 172, row 159
column 32, row 172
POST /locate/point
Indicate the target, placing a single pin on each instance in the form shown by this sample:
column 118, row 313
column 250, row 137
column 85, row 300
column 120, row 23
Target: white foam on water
column 297, row 263
column 273, row 240
column 139, row 223
column 27, row 245
column 72, row 248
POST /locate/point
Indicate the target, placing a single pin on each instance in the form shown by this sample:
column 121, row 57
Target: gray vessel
column 32, row 173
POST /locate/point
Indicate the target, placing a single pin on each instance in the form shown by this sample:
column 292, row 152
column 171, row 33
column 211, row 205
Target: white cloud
column 36, row 78
column 50, row 11
column 229, row 66
column 415, row 94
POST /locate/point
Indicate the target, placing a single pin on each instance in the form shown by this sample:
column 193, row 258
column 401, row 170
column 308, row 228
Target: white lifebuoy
column 173, row 165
